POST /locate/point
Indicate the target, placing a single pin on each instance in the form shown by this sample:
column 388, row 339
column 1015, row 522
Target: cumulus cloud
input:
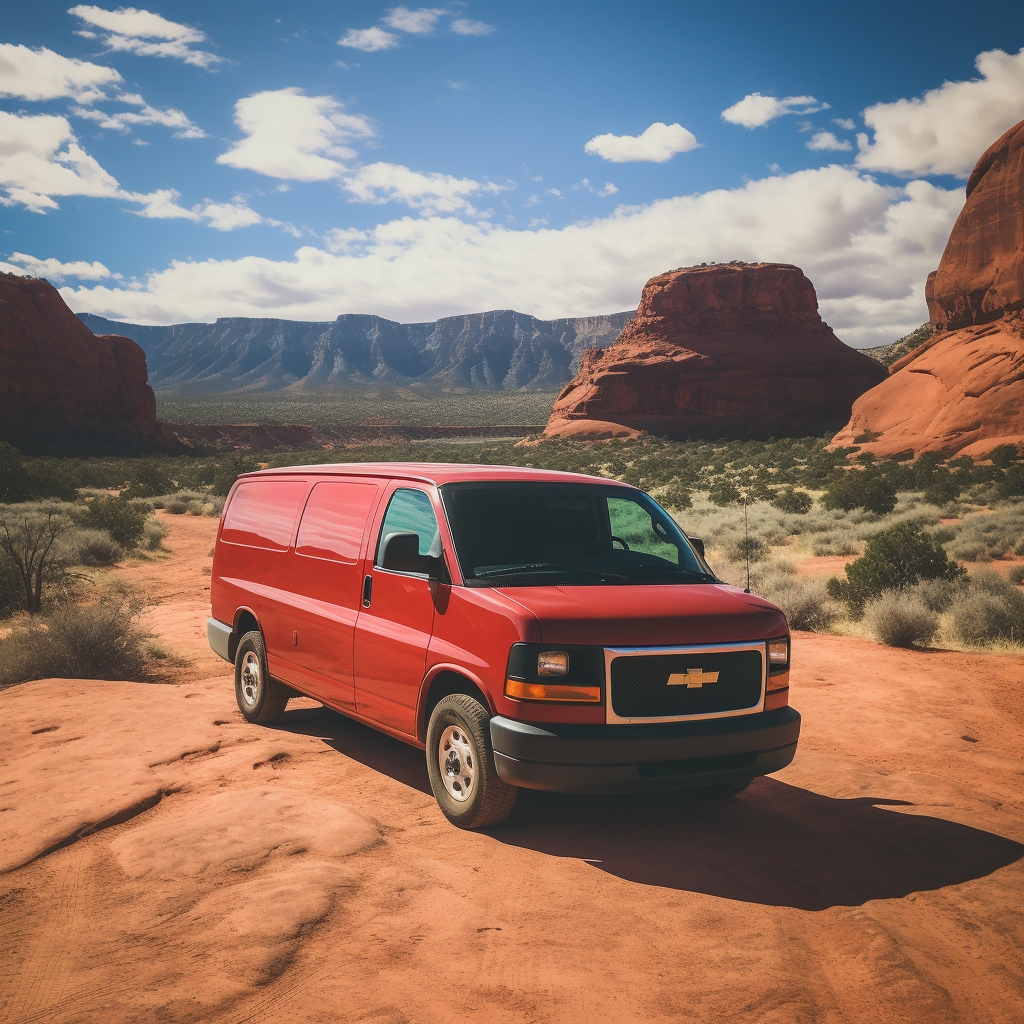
column 420, row 22
column 133, row 30
column 291, row 135
column 950, row 127
column 468, row 27
column 54, row 269
column 122, row 121
column 163, row 205
column 658, row 143
column 433, row 192
column 370, row 40
column 44, row 75
column 867, row 247
column 229, row 216
column 755, row 110
column 844, row 122
column 608, row 190
column 828, row 140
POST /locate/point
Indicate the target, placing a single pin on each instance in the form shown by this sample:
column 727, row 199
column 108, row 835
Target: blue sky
column 186, row 161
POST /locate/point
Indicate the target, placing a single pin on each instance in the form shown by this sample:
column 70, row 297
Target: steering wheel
column 625, row 546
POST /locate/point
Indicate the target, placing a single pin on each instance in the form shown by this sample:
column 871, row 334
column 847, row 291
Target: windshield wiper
column 555, row 566
column 700, row 574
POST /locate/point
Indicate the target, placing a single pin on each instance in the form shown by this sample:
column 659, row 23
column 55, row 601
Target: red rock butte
column 63, row 388
column 723, row 351
column 962, row 391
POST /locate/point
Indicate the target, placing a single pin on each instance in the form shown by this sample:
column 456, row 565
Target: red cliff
column 63, row 388
column 963, row 390
column 729, row 350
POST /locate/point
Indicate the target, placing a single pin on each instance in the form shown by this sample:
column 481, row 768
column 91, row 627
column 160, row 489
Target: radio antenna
column 746, row 543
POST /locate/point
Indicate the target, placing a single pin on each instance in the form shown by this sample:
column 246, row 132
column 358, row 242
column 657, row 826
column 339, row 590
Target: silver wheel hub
column 456, row 757
column 252, row 680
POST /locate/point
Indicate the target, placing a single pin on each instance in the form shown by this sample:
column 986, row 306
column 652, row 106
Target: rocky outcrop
column 728, row 350
column 962, row 391
column 62, row 388
column 499, row 350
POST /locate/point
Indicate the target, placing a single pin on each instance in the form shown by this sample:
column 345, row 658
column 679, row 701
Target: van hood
column 625, row 616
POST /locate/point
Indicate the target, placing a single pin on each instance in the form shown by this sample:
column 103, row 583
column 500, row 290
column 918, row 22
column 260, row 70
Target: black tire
column 260, row 698
column 460, row 722
column 723, row 790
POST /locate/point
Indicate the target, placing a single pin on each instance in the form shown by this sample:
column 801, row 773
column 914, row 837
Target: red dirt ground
column 163, row 861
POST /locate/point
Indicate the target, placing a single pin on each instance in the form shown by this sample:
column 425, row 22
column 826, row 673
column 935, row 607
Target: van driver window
column 409, row 511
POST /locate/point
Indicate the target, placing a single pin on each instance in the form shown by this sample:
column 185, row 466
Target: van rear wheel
column 460, row 764
column 260, row 698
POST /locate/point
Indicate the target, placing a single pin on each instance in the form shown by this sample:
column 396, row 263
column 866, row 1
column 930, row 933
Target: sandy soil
column 161, row 860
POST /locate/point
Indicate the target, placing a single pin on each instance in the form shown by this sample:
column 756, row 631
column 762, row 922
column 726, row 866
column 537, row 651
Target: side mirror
column 698, row 544
column 402, row 553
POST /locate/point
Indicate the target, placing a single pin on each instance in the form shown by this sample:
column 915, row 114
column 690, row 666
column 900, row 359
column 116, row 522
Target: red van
column 527, row 628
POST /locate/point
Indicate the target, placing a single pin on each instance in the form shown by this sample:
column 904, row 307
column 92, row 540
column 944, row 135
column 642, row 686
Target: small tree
column 894, row 559
column 864, row 488
column 28, row 545
column 790, row 500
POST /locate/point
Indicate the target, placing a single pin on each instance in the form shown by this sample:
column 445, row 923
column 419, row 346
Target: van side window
column 334, row 519
column 262, row 513
column 409, row 511
column 633, row 525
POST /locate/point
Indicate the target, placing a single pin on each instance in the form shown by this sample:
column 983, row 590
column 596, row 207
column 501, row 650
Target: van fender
column 235, row 633
column 435, row 670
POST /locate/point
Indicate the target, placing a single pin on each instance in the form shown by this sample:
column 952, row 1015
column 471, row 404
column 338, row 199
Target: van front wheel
column 260, row 698
column 460, row 764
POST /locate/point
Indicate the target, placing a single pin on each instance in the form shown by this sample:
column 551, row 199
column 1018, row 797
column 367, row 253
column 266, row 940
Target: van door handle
column 367, row 587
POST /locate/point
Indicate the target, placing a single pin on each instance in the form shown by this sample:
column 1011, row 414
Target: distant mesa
column 62, row 388
column 728, row 350
column 962, row 391
column 501, row 350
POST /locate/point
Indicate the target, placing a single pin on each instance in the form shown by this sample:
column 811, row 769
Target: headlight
column 552, row 663
column 778, row 660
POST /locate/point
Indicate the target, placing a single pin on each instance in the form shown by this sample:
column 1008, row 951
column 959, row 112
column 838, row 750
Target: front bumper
column 641, row 758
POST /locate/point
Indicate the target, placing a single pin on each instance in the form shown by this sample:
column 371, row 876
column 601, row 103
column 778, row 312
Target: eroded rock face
column 963, row 390
column 730, row 350
column 63, row 387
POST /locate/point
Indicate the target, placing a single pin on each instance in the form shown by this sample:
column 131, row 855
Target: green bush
column 12, row 590
column 749, row 548
column 944, row 488
column 723, row 493
column 89, row 546
column 175, row 506
column 860, row 488
column 1015, row 575
column 676, row 495
column 894, row 559
column 792, row 501
column 1004, row 456
column 123, row 519
column 992, row 609
column 153, row 535
column 805, row 602
column 900, row 619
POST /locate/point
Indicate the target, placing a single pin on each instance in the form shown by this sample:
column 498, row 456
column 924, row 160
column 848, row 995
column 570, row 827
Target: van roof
column 436, row 472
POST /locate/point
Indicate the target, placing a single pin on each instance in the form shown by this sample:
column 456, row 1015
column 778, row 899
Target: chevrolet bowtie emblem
column 692, row 678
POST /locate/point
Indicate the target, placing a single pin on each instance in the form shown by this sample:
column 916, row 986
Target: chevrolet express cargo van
column 524, row 627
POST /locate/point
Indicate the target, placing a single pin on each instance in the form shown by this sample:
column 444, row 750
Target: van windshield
column 511, row 534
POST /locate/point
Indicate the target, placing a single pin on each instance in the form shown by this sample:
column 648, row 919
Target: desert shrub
column 12, row 591
column 944, row 488
column 805, row 602
column 13, row 478
column 752, row 548
column 194, row 508
column 102, row 641
column 124, row 520
column 153, row 535
column 982, row 615
column 1015, row 575
column 28, row 536
column 943, row 534
column 176, row 507
column 991, row 534
column 148, row 478
column 867, row 489
column 900, row 619
column 830, row 544
column 1004, row 456
column 795, row 502
column 229, row 472
column 723, row 493
column 89, row 546
column 937, row 595
column 894, row 559
column 676, row 495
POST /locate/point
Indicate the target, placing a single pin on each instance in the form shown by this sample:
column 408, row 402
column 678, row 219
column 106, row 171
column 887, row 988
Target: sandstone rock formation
column 62, row 388
column 499, row 350
column 729, row 350
column 962, row 391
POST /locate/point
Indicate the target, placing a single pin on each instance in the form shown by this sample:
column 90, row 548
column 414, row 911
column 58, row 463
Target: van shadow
column 776, row 844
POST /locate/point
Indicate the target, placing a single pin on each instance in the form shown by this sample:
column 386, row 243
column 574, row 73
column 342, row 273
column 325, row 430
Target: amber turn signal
column 522, row 690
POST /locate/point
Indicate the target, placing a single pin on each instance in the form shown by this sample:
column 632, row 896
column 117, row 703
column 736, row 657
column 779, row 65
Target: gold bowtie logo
column 692, row 678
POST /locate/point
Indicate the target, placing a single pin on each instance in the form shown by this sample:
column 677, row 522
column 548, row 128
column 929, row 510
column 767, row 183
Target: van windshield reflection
column 511, row 534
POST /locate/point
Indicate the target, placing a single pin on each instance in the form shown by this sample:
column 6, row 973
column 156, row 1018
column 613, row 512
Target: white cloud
column 160, row 205
column 228, row 216
column 467, row 27
column 608, row 190
column 845, row 122
column 828, row 140
column 163, row 205
column 420, row 22
column 40, row 158
column 755, row 110
column 370, row 40
column 866, row 247
column 133, row 30
column 457, row 86
column 169, row 118
column 658, row 143
column 54, row 269
column 290, row 135
column 433, row 192
column 44, row 75
column 948, row 130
